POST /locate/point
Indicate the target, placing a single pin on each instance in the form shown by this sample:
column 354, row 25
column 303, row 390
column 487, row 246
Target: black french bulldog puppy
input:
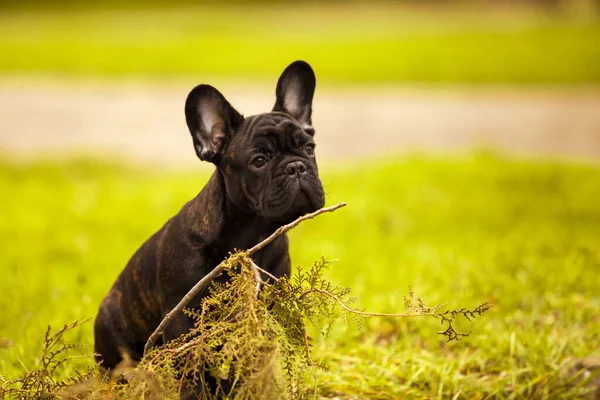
column 266, row 176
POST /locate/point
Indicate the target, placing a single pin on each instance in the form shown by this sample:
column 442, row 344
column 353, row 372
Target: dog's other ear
column 295, row 90
column 212, row 122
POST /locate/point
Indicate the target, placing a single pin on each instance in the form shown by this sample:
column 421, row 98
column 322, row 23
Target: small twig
column 283, row 229
column 307, row 348
column 345, row 307
column 259, row 269
column 219, row 268
column 257, row 278
column 446, row 316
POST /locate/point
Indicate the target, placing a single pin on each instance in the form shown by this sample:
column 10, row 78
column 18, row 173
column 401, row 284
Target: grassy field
column 354, row 43
column 464, row 231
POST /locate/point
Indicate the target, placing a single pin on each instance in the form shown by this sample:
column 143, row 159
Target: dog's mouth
column 302, row 198
column 303, row 203
column 315, row 198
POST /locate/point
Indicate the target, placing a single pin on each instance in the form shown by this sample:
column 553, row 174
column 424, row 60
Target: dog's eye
column 259, row 162
column 310, row 149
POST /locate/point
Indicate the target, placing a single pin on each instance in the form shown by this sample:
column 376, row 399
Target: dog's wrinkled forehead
column 275, row 125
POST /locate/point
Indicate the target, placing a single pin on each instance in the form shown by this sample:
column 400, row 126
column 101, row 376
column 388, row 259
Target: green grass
column 523, row 235
column 360, row 43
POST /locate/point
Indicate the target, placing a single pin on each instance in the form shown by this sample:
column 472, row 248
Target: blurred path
column 146, row 123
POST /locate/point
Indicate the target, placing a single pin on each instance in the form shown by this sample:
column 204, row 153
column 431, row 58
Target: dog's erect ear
column 212, row 122
column 295, row 90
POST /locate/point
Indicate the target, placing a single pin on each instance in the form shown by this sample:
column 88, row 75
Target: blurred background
column 464, row 136
column 111, row 77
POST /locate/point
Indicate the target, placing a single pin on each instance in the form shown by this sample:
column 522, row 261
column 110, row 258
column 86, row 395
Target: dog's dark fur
column 266, row 176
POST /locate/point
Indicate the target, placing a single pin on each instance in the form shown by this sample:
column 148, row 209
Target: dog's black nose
column 207, row 155
column 295, row 168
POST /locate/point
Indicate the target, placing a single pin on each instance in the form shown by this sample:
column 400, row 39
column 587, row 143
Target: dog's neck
column 212, row 219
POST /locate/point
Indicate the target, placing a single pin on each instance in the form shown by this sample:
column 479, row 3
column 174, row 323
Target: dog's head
column 267, row 160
